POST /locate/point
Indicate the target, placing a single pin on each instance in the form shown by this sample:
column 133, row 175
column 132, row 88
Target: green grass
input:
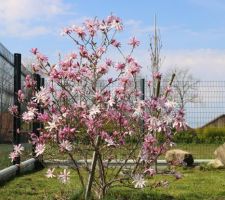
column 195, row 185
column 36, row 186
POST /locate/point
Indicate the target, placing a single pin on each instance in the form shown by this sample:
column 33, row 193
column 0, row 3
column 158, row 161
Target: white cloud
column 29, row 17
column 204, row 64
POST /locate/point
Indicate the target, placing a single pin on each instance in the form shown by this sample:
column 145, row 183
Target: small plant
column 83, row 115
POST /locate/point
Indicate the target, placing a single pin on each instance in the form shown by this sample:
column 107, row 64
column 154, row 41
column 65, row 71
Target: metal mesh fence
column 202, row 101
column 6, row 99
column 204, row 105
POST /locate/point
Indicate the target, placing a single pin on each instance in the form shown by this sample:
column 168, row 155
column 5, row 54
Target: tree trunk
column 92, row 171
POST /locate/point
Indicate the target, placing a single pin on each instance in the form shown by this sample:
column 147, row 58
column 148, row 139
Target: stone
column 216, row 163
column 220, row 153
column 179, row 157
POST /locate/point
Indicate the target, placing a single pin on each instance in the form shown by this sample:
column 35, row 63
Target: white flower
column 18, row 149
column 167, row 119
column 40, row 148
column 53, row 124
column 138, row 111
column 139, row 181
column 103, row 27
column 111, row 102
column 94, row 110
column 66, row 145
column 64, row 176
column 49, row 173
column 110, row 142
column 29, row 115
column 170, row 104
column 41, row 96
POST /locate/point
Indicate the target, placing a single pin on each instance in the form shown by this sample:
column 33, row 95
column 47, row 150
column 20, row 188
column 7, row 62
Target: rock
column 179, row 157
column 220, row 153
column 216, row 163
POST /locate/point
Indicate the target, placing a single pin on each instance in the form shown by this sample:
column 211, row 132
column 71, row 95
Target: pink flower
column 13, row 155
column 73, row 56
column 42, row 58
column 115, row 23
column 150, row 171
column 83, row 52
column 134, row 68
column 157, row 75
column 66, row 31
column 39, row 149
column 134, row 42
column 29, row 82
column 79, row 30
column 49, row 173
column 43, row 117
column 129, row 59
column 91, row 26
column 120, row 66
column 110, row 80
column 64, row 176
column 21, row 96
column 13, row 110
column 115, row 43
column 35, row 67
column 34, row 51
column 103, row 69
column 29, row 115
column 108, row 62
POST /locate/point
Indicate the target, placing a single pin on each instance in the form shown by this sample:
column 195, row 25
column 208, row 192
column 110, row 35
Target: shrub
column 211, row 135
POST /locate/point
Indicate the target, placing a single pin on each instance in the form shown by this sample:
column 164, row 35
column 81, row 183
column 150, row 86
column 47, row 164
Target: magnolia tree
column 101, row 129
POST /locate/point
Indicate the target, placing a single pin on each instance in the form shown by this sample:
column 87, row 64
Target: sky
column 192, row 31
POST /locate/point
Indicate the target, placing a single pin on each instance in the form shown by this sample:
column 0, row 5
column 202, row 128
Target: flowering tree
column 84, row 118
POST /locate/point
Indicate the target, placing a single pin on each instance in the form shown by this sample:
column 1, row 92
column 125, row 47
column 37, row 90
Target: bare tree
column 185, row 86
column 155, row 49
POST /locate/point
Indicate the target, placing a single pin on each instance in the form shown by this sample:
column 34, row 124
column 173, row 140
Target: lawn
column 196, row 184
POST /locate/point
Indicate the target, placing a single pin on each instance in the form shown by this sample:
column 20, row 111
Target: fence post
column 42, row 110
column 17, row 86
column 142, row 83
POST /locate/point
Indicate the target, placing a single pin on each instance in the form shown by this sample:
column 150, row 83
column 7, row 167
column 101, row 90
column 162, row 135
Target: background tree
column 185, row 86
column 155, row 48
